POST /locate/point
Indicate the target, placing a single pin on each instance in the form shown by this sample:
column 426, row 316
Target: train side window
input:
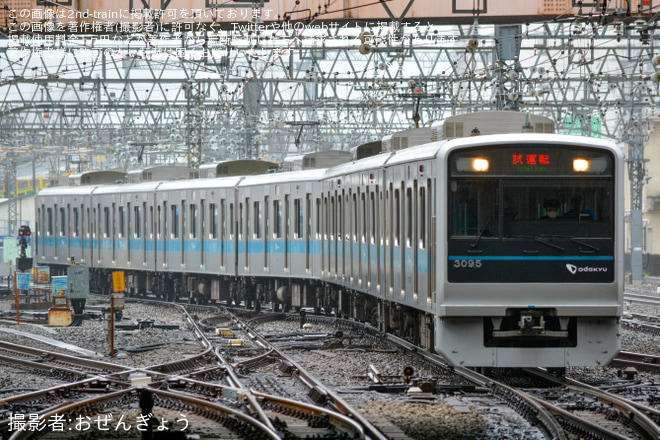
column 62, row 221
column 231, row 220
column 318, row 218
column 388, row 212
column 184, row 224
column 341, row 221
column 363, row 211
column 372, row 202
column 76, row 223
column 128, row 221
column 223, row 219
column 327, row 217
column 354, row 216
column 138, row 222
column 397, row 217
column 49, row 221
column 158, row 228
column 257, row 219
column 409, row 216
column 193, row 220
column 106, row 222
column 277, row 213
column 175, row 221
column 240, row 221
column 96, row 223
column 333, row 229
column 213, row 221
column 121, row 222
column 82, row 220
column 298, row 222
column 422, row 217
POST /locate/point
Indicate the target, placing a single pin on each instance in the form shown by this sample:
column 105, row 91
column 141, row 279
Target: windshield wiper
column 590, row 246
column 547, row 243
column 481, row 232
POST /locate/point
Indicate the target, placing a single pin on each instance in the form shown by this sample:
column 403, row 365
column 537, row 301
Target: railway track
column 647, row 300
column 607, row 411
column 258, row 390
column 65, row 365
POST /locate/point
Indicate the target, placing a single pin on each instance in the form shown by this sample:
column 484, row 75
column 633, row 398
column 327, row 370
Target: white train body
column 417, row 241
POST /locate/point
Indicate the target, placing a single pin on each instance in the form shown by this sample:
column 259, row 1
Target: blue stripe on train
column 254, row 247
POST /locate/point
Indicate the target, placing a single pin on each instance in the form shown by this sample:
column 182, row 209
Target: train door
column 165, row 236
column 202, row 231
column 399, row 239
column 308, row 231
column 422, row 239
column 351, row 254
column 184, row 231
column 55, row 232
column 340, row 234
column 223, row 232
column 363, row 256
column 129, row 234
column 213, row 246
column 324, row 232
column 39, row 230
column 317, row 244
column 333, row 236
column 409, row 253
column 233, row 235
column 381, row 219
column 430, row 245
column 266, row 229
column 96, row 232
column 414, row 217
column 113, row 232
column 145, row 230
column 68, row 231
column 389, row 272
column 87, row 235
column 246, row 237
column 372, row 273
column 287, row 226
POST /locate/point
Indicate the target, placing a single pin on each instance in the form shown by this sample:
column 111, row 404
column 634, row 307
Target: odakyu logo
column 574, row 269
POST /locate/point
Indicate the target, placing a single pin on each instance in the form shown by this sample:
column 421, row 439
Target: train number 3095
column 470, row 264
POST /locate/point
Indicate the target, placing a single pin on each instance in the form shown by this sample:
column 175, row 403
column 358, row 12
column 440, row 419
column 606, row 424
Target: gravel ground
column 178, row 344
column 460, row 416
column 435, row 418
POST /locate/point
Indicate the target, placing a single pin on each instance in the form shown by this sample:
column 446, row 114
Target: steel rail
column 333, row 400
column 59, row 357
column 635, row 412
column 542, row 414
column 204, row 408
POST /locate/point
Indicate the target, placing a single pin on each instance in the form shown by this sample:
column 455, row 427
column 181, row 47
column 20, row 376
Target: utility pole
column 11, row 192
column 636, row 173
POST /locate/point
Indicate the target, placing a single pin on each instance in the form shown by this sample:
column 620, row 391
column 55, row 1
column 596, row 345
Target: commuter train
column 449, row 244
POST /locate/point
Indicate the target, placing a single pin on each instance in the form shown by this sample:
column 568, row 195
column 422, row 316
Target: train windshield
column 531, row 193
column 515, row 209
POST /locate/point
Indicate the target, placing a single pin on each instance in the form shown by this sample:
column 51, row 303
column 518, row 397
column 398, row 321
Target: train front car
column 534, row 258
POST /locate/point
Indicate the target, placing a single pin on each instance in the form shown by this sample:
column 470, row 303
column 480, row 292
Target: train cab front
column 533, row 275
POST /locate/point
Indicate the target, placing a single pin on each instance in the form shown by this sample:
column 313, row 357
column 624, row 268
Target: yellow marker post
column 118, row 284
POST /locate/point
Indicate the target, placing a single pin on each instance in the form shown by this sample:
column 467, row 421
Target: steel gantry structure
column 262, row 89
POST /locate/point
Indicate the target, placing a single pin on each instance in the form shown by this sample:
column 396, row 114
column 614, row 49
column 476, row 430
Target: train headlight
column 595, row 165
column 480, row 164
column 580, row 165
column 472, row 164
